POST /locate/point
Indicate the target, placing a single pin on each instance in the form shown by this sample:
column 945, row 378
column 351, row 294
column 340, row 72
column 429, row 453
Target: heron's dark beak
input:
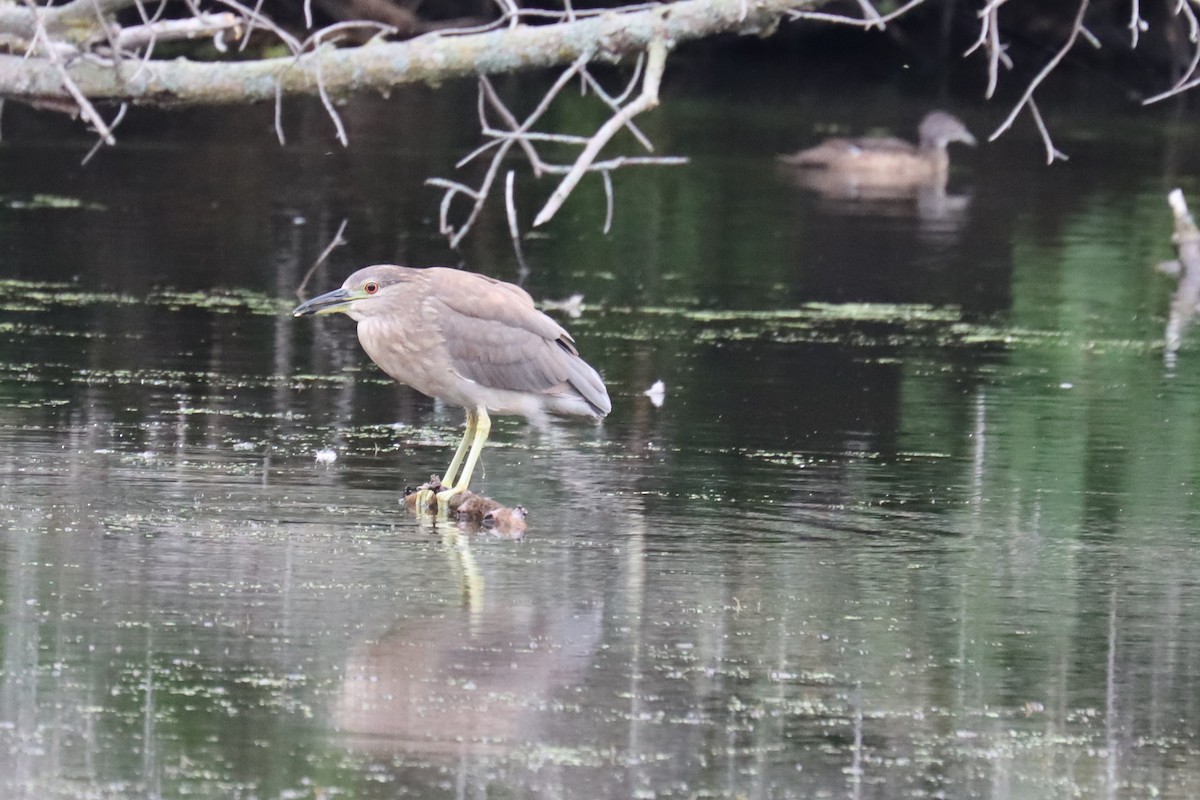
column 328, row 303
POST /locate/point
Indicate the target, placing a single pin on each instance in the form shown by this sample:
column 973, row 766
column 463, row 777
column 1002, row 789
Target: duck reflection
column 844, row 194
column 1184, row 302
column 475, row 678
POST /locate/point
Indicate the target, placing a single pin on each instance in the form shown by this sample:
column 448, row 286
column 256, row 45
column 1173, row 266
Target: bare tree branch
column 112, row 126
column 75, row 56
column 514, row 227
column 333, row 114
column 505, row 143
column 1136, row 23
column 86, row 109
column 500, row 142
column 205, row 25
column 488, row 92
column 1185, row 81
column 1027, row 96
column 871, row 19
column 279, row 115
column 615, row 102
column 656, row 62
column 1052, row 152
column 989, row 39
column 384, row 65
column 871, row 15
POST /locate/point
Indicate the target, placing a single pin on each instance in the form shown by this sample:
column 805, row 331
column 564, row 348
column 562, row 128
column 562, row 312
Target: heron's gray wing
column 496, row 338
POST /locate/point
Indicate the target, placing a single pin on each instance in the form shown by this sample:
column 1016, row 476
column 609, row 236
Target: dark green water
column 918, row 517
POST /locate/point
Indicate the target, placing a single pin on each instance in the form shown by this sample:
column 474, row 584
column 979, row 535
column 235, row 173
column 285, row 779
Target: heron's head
column 939, row 129
column 364, row 294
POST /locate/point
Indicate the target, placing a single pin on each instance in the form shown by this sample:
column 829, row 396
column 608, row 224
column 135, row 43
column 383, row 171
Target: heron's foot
column 422, row 500
column 444, row 498
column 425, row 501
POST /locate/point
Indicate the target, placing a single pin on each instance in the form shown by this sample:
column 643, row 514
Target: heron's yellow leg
column 456, row 462
column 483, row 426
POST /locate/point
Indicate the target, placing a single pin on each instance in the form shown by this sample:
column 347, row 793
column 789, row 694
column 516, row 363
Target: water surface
column 917, row 517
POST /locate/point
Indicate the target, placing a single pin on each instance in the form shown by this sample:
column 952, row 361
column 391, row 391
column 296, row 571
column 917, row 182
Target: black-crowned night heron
column 470, row 341
column 877, row 160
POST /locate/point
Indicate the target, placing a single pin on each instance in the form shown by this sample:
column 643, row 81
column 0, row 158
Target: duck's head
column 939, row 129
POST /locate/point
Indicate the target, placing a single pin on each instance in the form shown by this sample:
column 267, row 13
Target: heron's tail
column 590, row 386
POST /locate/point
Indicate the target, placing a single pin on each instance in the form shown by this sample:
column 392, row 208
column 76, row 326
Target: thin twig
column 488, row 92
column 617, row 162
column 1184, row 81
column 656, row 61
column 453, row 186
column 509, row 12
column 328, row 103
column 996, row 51
column 137, row 36
column 453, row 189
column 871, row 14
column 338, row 27
column 879, row 20
column 572, row 15
column 102, row 23
column 265, row 22
column 638, row 66
column 480, row 195
column 149, row 21
column 1052, row 152
column 1194, row 38
column 249, row 24
column 100, row 142
column 86, row 109
column 1192, row 84
column 279, row 112
column 615, row 104
column 1046, row 70
column 514, row 229
column 608, row 199
column 335, row 243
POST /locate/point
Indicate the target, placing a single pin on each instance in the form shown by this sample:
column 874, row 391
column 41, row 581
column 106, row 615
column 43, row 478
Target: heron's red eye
column 370, row 287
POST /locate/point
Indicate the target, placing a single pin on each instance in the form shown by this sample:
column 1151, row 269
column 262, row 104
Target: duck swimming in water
column 887, row 161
